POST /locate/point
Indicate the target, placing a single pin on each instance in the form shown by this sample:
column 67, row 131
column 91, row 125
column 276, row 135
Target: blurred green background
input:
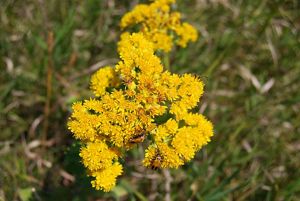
column 248, row 54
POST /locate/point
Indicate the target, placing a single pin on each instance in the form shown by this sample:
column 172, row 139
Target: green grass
column 248, row 55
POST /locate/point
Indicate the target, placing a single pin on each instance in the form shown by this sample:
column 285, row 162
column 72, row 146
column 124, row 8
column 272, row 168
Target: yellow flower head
column 203, row 129
column 104, row 78
column 162, row 155
column 186, row 33
column 133, row 50
column 112, row 118
column 82, row 123
column 97, row 155
column 160, row 25
column 106, row 179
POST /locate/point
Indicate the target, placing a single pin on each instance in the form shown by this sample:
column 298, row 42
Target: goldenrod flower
column 186, row 33
column 162, row 155
column 97, row 155
column 138, row 58
column 123, row 116
column 160, row 25
column 83, row 124
column 104, row 78
column 106, row 179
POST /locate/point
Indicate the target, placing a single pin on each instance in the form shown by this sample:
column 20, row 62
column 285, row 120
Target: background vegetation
column 248, row 55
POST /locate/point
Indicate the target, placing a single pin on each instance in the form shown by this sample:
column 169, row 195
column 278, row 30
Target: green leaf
column 25, row 194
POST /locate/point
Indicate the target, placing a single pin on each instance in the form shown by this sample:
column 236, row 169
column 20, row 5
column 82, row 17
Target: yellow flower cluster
column 160, row 24
column 99, row 159
column 134, row 101
column 103, row 79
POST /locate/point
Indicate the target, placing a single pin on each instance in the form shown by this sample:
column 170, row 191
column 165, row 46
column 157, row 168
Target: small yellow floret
column 168, row 158
column 97, row 155
column 83, row 124
column 186, row 33
column 105, row 77
column 106, row 179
